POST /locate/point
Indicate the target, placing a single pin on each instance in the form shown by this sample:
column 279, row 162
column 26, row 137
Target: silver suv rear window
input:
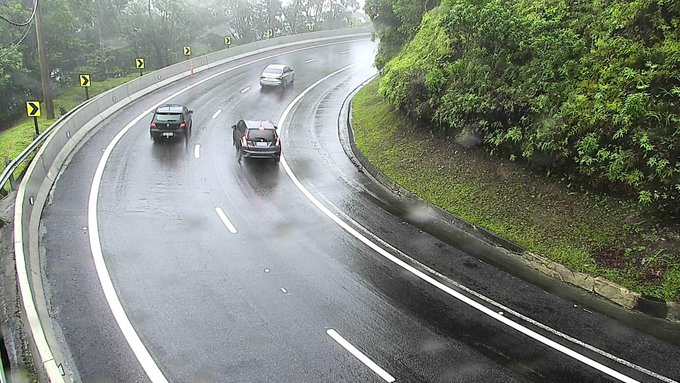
column 261, row 135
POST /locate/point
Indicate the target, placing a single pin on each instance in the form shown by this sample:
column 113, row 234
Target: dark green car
column 170, row 121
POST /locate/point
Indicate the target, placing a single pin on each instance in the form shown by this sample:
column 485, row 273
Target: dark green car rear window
column 168, row 117
column 261, row 135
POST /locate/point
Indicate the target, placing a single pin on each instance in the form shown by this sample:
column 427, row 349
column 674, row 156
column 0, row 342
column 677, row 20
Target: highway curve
column 290, row 272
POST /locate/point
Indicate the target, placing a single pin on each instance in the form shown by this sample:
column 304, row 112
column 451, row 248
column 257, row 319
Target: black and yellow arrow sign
column 33, row 108
column 139, row 63
column 227, row 40
column 270, row 32
column 187, row 51
column 311, row 27
column 85, row 80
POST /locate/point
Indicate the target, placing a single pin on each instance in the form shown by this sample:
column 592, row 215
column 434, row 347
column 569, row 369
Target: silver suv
column 257, row 139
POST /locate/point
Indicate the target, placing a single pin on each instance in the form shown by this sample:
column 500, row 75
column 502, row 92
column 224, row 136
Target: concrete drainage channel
column 63, row 139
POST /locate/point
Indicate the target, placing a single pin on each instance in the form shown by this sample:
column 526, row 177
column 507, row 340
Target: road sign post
column 187, row 53
column 139, row 64
column 33, row 110
column 85, row 83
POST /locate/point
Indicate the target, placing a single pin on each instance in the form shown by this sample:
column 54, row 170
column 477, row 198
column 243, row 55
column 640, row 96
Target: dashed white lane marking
column 505, row 309
column 141, row 353
column 245, row 89
column 197, row 151
column 427, row 277
column 283, row 290
column 214, row 116
column 344, row 52
column 225, row 220
column 360, row 355
column 309, row 61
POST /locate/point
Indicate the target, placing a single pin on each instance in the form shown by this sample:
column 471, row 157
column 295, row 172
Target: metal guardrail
column 8, row 176
column 8, row 173
column 53, row 147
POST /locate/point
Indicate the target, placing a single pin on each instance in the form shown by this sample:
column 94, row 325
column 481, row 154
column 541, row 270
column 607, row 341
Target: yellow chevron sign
column 33, row 108
column 85, row 80
column 139, row 63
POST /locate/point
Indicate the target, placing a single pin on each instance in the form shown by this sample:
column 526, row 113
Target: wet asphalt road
column 258, row 305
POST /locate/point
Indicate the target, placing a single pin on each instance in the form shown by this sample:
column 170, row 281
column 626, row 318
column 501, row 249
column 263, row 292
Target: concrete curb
column 668, row 312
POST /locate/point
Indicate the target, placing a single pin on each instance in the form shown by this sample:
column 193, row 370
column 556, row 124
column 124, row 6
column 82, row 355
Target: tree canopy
column 103, row 38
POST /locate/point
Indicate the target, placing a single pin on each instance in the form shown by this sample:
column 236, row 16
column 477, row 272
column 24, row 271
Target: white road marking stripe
column 214, row 116
column 148, row 364
column 141, row 353
column 309, row 61
column 245, row 89
column 344, row 52
column 425, row 277
column 197, row 151
column 360, row 355
column 225, row 220
column 283, row 290
column 502, row 307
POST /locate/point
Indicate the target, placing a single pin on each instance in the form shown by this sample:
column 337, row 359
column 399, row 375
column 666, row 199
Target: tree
column 14, row 79
column 396, row 22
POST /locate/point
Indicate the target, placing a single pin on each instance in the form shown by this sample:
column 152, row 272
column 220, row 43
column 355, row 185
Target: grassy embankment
column 15, row 139
column 596, row 234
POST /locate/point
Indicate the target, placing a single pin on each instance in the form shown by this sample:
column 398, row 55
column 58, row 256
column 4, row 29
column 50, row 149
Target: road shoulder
column 661, row 318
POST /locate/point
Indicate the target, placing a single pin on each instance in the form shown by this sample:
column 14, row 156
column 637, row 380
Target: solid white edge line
column 506, row 309
column 214, row 116
column 138, row 348
column 514, row 325
column 225, row 220
column 197, row 151
column 148, row 364
column 360, row 355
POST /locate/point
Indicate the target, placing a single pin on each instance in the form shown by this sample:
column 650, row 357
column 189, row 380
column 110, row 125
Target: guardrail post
column 11, row 176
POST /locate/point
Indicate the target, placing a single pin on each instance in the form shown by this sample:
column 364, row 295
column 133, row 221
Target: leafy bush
column 588, row 88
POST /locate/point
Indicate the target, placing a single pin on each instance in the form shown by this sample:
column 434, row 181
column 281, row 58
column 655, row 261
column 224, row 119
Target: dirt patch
column 610, row 258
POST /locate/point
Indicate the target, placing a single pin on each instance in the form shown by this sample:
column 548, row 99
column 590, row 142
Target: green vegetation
column 587, row 89
column 396, row 22
column 551, row 216
column 15, row 139
column 103, row 38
